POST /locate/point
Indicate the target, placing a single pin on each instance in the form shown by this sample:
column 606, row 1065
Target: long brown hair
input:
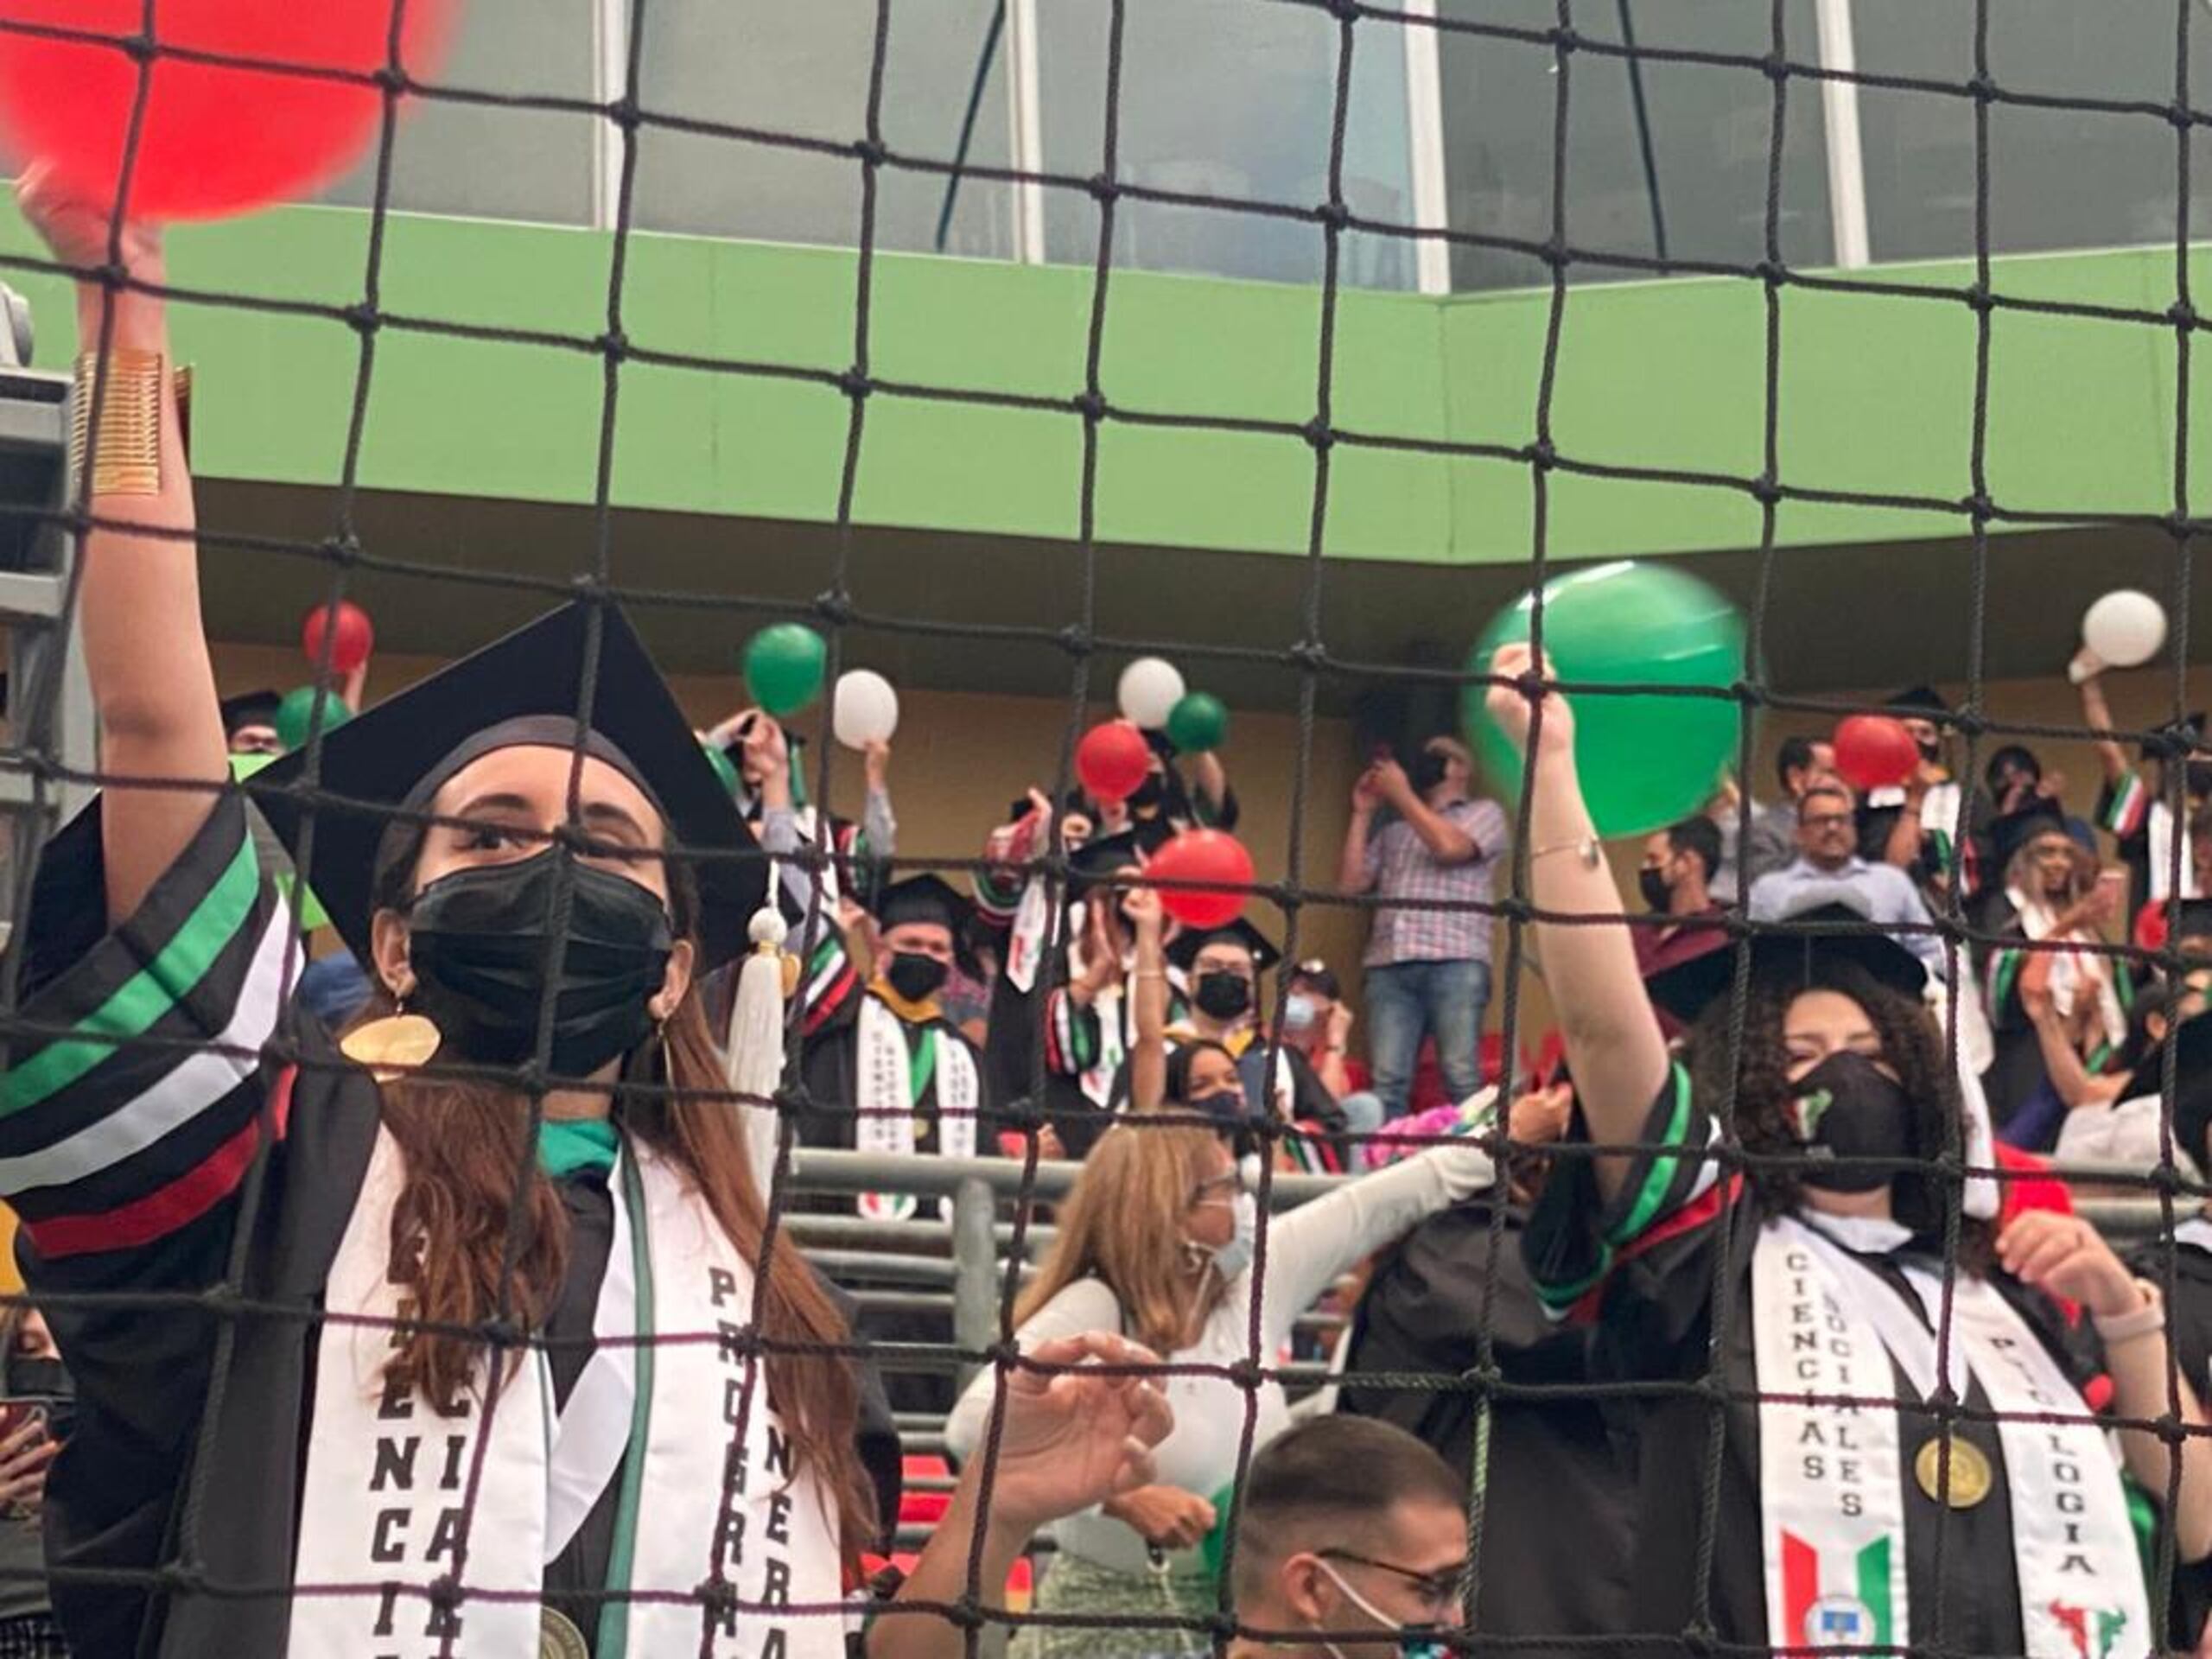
column 1123, row 1224
column 1912, row 1045
column 461, row 1142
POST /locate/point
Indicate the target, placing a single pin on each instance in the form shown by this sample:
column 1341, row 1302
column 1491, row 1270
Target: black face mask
column 1652, row 884
column 916, row 978
column 1427, row 772
column 1848, row 1106
column 1931, row 749
column 46, row 1378
column 476, row 943
column 1223, row 996
column 1149, row 794
column 2200, row 778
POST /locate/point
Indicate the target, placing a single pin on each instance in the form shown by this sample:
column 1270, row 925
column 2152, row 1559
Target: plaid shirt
column 1403, row 867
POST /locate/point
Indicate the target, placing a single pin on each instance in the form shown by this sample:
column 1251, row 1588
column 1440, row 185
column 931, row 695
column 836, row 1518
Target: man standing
column 1676, row 880
column 1828, row 870
column 1349, row 1526
column 1427, row 966
column 1774, row 828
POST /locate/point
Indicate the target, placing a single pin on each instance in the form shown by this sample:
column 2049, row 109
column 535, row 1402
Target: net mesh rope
column 1789, row 68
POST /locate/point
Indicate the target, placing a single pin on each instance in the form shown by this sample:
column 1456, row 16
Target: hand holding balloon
column 1514, row 712
column 78, row 228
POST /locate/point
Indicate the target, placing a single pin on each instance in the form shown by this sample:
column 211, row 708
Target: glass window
column 489, row 163
column 1690, row 158
column 803, row 70
column 1233, row 99
column 2058, row 178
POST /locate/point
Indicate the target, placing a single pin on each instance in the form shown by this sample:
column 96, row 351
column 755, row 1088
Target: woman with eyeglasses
column 1159, row 1240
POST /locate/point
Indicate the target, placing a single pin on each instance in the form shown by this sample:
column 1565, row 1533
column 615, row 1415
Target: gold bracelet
column 126, row 455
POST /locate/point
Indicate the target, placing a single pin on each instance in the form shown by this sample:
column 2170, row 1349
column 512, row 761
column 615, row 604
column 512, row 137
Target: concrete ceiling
column 985, row 614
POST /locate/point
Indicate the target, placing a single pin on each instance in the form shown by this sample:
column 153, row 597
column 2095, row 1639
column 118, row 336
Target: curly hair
column 1912, row 1044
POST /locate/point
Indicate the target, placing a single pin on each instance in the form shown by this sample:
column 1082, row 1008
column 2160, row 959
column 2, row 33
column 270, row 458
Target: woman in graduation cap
column 1855, row 1507
column 435, row 1345
column 1222, row 966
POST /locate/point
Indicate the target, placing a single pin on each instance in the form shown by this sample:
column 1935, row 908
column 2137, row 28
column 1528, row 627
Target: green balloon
column 724, row 773
column 1646, row 761
column 1197, row 723
column 783, row 667
column 294, row 713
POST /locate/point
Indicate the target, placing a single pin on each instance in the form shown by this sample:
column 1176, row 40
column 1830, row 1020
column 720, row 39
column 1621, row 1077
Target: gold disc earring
column 394, row 1046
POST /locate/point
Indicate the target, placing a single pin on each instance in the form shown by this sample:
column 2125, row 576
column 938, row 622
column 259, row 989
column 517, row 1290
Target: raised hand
column 1076, row 1438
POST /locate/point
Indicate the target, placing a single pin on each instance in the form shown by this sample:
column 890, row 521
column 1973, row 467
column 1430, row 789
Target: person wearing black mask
column 1675, row 882
column 299, row 1284
column 1222, row 966
column 37, row 1382
column 1809, row 1279
column 1163, row 805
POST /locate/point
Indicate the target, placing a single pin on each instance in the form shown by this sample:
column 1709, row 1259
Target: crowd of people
column 427, row 1296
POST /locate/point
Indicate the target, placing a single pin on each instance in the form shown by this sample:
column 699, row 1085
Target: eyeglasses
column 1216, row 1188
column 1439, row 1589
column 1826, row 821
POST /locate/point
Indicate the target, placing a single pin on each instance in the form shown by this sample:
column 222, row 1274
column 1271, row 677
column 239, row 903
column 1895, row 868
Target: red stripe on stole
column 1801, row 1583
column 166, row 1209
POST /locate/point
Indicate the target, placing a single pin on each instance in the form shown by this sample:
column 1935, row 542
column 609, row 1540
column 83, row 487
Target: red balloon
column 1112, row 760
column 215, row 139
column 1210, row 855
column 1874, row 751
column 355, row 638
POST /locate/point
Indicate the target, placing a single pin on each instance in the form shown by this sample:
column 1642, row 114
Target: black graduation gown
column 2189, row 1324
column 176, row 1397
column 1558, row 1522
column 1974, row 859
column 1654, row 1306
column 830, row 1070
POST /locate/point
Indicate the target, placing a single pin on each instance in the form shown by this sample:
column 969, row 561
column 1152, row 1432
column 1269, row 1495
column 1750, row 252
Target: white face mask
column 1298, row 1012
column 1415, row 1640
column 1230, row 1258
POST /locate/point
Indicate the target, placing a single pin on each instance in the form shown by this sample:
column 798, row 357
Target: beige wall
column 961, row 757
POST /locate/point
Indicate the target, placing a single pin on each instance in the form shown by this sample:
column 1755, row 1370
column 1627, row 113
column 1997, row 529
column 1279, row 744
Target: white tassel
column 753, row 1054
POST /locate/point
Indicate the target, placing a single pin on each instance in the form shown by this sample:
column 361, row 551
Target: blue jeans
column 1408, row 1000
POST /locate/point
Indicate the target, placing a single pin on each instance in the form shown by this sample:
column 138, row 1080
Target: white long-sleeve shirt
column 1307, row 1249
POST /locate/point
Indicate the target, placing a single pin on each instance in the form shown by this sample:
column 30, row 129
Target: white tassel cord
column 753, row 1054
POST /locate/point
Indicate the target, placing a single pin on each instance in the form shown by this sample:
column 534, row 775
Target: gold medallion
column 557, row 1638
column 1971, row 1475
column 390, row 1046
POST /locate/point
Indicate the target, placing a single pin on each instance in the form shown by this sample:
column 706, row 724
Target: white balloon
column 1150, row 688
column 2124, row 628
column 865, row 709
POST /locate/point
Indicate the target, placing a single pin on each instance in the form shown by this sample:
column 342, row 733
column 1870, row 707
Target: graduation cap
column 1093, row 863
column 1183, row 949
column 249, row 708
column 2009, row 834
column 1687, row 989
column 1920, row 699
column 523, row 689
column 928, row 900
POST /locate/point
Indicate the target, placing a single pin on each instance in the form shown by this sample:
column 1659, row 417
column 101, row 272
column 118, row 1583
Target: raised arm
column 1446, row 842
column 2086, row 671
column 145, row 650
column 1148, row 1063
column 1613, row 1042
column 1355, row 865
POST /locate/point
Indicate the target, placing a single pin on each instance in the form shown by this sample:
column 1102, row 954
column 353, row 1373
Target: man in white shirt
column 1828, row 870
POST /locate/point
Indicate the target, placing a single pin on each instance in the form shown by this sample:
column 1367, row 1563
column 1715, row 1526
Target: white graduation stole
column 383, row 1495
column 2159, row 833
column 1832, row 1502
column 884, row 1088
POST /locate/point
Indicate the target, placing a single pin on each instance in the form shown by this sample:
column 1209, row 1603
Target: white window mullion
column 1025, row 112
column 1840, row 113
column 1425, row 142
column 610, row 78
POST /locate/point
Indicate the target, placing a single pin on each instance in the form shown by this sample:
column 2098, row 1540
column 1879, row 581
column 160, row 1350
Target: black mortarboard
column 1184, row 949
column 249, row 708
column 1096, row 860
column 2014, row 830
column 521, row 690
column 924, row 898
column 1686, row 991
column 2195, row 919
column 1924, row 699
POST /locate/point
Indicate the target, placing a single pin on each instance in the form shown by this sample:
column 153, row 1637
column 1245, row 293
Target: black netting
column 238, row 1298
